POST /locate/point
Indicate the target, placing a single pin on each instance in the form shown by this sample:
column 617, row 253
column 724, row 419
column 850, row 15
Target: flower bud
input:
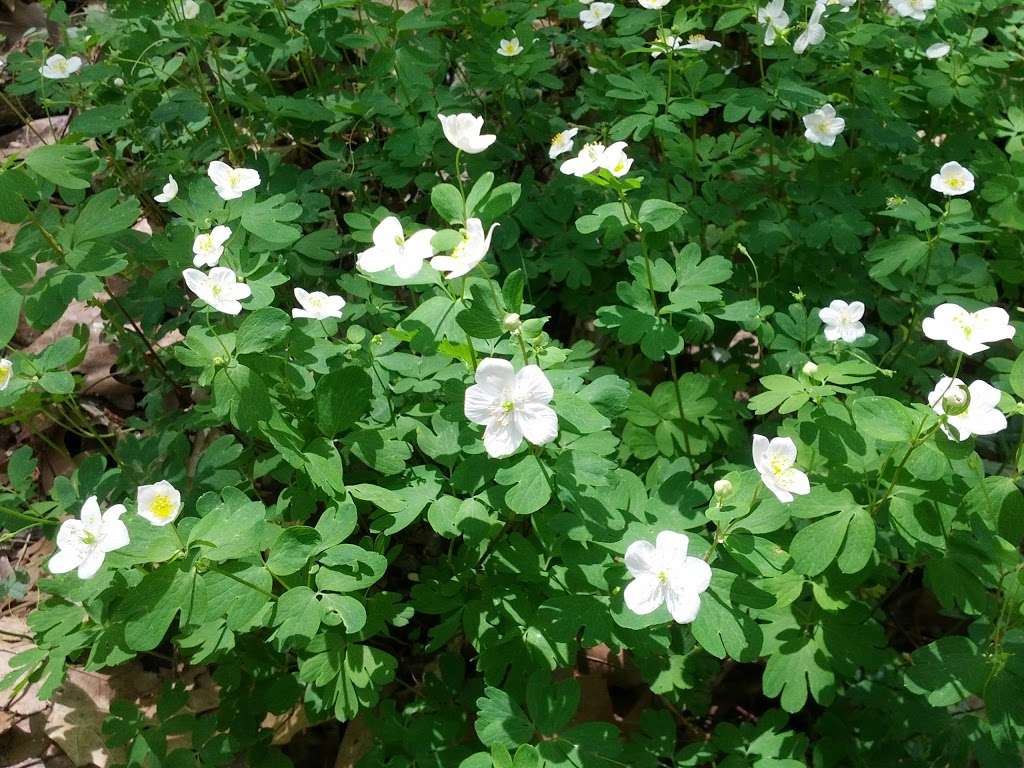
column 119, row 82
column 810, row 368
column 723, row 488
column 511, row 322
column 956, row 401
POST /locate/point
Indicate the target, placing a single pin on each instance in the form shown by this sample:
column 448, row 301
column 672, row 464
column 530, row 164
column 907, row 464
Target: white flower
column 615, row 161
column 6, row 373
column 220, row 288
column 392, row 249
column 915, row 9
column 188, row 9
column 653, row 5
column 592, row 16
column 561, row 142
column 774, row 460
column 159, row 503
column 664, row 44
column 810, row 368
column 170, row 191
column 510, row 47
column 208, row 248
column 814, row 33
column 231, row 183
column 512, row 406
column 663, row 573
column 317, row 305
column 847, row 4
column 937, row 50
column 842, row 320
column 969, row 410
column 695, row 42
column 723, row 488
column 59, row 68
column 587, row 161
column 463, row 132
column 823, row 126
column 83, row 543
column 774, row 18
column 953, row 179
column 968, row 332
column 469, row 252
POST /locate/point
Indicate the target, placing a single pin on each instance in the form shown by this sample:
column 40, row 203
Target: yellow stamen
column 161, row 507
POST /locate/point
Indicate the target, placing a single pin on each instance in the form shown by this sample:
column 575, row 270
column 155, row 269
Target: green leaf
column 154, row 603
column 883, row 418
column 341, row 398
column 478, row 192
column 230, row 530
column 262, row 330
column 903, row 253
column 947, row 671
column 323, row 466
column 483, row 320
column 500, row 721
column 348, row 609
column 797, row 669
column 267, row 220
column 10, row 311
column 859, row 543
column 349, row 568
column 447, row 201
column 66, row 165
column 659, row 215
column 530, row 486
column 1016, row 375
column 500, row 201
column 723, row 631
column 815, row 547
column 102, row 215
column 551, row 705
column 292, row 550
column 297, row 613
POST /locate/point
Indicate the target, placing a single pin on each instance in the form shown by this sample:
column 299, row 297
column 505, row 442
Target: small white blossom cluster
column 593, row 157
column 83, row 544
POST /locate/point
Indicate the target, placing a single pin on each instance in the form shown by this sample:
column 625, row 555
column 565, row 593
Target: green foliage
column 350, row 544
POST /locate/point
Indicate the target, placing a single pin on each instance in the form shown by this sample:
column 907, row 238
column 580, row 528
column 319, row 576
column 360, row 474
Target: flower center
column 823, row 125
column 556, row 139
column 697, row 38
column 234, row 179
column 663, row 577
column 5, row 374
column 460, row 250
column 779, row 465
column 315, row 302
column 89, row 538
column 205, row 243
column 161, row 507
column 216, row 290
column 963, row 322
column 955, row 182
column 508, row 406
column 400, row 241
column 60, row 66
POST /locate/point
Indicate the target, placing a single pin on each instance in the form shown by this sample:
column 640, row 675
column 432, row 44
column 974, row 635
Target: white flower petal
column 644, row 594
column 537, row 423
column 641, row 558
column 502, row 439
column 682, row 605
